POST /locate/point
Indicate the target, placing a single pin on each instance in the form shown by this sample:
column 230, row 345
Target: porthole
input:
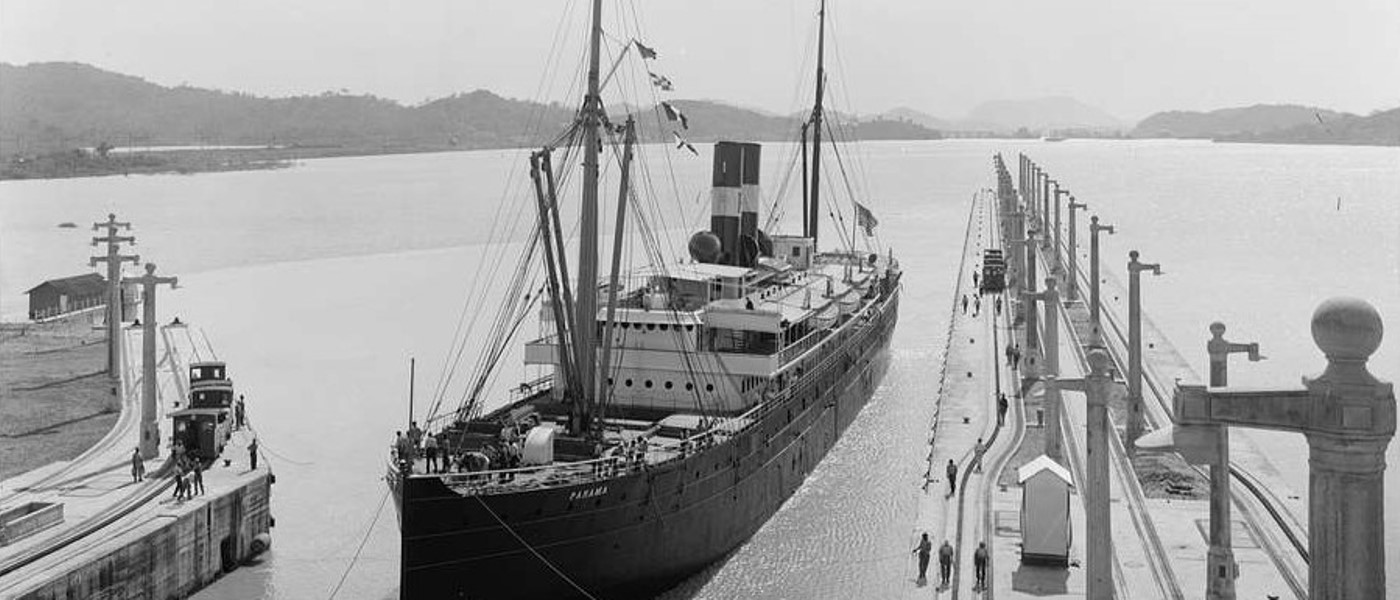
column 668, row 385
column 651, row 326
column 663, row 327
column 628, row 383
column 689, row 386
column 709, row 387
column 648, row 384
column 690, row 328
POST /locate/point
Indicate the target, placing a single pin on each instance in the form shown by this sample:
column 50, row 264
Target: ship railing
column 529, row 388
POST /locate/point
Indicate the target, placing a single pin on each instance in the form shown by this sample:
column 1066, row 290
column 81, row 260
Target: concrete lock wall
column 171, row 556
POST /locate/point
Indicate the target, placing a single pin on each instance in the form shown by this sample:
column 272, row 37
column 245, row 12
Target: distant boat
column 1054, row 139
column 67, row 225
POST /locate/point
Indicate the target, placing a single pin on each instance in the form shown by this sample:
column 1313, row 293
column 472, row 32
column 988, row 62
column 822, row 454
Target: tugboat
column 205, row 425
column 684, row 401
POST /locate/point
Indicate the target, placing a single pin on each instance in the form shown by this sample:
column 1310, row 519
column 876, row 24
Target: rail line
column 1249, row 506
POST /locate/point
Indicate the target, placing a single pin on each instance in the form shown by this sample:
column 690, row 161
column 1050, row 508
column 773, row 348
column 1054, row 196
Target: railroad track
column 1258, row 506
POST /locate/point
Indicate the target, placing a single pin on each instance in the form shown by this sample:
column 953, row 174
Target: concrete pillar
column 114, row 259
column 1050, row 364
column 1032, row 336
column 1094, row 305
column 1348, row 418
column 1072, row 279
column 1098, row 386
column 150, row 429
column 1135, row 269
column 1059, row 247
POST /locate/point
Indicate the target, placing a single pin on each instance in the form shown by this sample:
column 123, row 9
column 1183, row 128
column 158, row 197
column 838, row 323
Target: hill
column 1241, row 121
column 1039, row 114
column 53, row 108
column 1378, row 129
column 918, row 117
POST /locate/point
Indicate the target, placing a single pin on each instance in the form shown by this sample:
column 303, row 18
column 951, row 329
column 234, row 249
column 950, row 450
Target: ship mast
column 586, row 304
column 813, row 204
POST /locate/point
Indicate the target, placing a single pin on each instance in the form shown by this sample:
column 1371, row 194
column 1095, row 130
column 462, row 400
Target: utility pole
column 1059, row 260
column 150, row 429
column 1045, row 222
column 114, row 259
column 1094, row 304
column 1221, row 570
column 1098, row 387
column 1072, row 280
column 1032, row 336
column 1135, row 269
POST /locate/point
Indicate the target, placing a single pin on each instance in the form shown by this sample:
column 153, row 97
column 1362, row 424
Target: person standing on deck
column 415, row 435
column 979, row 559
column 945, row 562
column 138, row 466
column 253, row 455
column 1002, row 405
column 430, row 450
column 952, row 478
column 923, row 550
column 239, row 413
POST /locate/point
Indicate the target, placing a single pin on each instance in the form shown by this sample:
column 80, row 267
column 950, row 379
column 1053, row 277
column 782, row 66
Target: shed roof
column 78, row 285
column 1042, row 463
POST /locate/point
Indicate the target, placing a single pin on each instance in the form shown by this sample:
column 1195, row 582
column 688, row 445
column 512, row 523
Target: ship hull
column 636, row 535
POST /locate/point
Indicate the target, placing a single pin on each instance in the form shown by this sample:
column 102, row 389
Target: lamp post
column 1032, row 336
column 1094, row 306
column 1059, row 261
column 1348, row 418
column 150, row 429
column 1098, row 387
column 1045, row 212
column 1135, row 269
column 1072, row 279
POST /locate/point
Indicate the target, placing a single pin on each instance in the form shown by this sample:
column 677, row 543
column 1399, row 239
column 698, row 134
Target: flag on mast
column 675, row 114
column 865, row 219
column 660, row 81
column 646, row 52
column 681, row 143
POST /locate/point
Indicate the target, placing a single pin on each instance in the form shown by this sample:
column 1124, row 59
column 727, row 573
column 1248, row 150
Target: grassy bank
column 55, row 398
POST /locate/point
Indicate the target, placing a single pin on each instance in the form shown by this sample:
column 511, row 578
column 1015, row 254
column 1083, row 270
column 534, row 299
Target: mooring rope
column 353, row 559
column 532, row 550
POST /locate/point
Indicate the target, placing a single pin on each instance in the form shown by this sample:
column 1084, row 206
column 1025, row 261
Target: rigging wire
column 533, row 551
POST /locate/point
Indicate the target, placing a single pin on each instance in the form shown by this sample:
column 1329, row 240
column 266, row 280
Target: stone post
column 1098, row 387
column 1094, row 305
column 114, row 259
column 1135, row 269
column 150, row 429
column 1072, row 279
column 1348, row 417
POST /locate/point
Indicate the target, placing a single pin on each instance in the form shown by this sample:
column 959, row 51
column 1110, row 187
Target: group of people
column 189, row 474
column 945, row 562
column 976, row 304
column 1013, row 355
column 440, row 456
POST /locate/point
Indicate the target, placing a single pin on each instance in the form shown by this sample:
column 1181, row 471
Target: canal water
column 317, row 283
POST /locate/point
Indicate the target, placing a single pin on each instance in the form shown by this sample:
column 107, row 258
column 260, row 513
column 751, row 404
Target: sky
column 1128, row 57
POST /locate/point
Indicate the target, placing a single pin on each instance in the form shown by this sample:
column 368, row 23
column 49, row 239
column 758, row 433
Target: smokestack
column 748, row 205
column 725, row 191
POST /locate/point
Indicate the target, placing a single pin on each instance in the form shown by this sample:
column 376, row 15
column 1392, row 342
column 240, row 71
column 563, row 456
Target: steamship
column 681, row 401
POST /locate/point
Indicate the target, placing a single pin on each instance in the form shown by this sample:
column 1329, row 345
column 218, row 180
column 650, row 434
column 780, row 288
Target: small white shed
column 1045, row 526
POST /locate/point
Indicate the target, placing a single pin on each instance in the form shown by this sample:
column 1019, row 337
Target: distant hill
column 1378, row 129
column 1039, row 114
column 1242, row 121
column 917, row 117
column 50, row 107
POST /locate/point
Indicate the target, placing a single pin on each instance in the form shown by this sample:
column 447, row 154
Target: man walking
column 197, row 478
column 924, row 548
column 952, row 478
column 977, row 455
column 998, row 306
column 138, row 466
column 1009, row 354
column 979, row 560
column 945, row 562
column 1002, row 405
column 964, row 303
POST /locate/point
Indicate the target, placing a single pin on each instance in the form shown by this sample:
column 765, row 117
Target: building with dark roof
column 57, row 297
